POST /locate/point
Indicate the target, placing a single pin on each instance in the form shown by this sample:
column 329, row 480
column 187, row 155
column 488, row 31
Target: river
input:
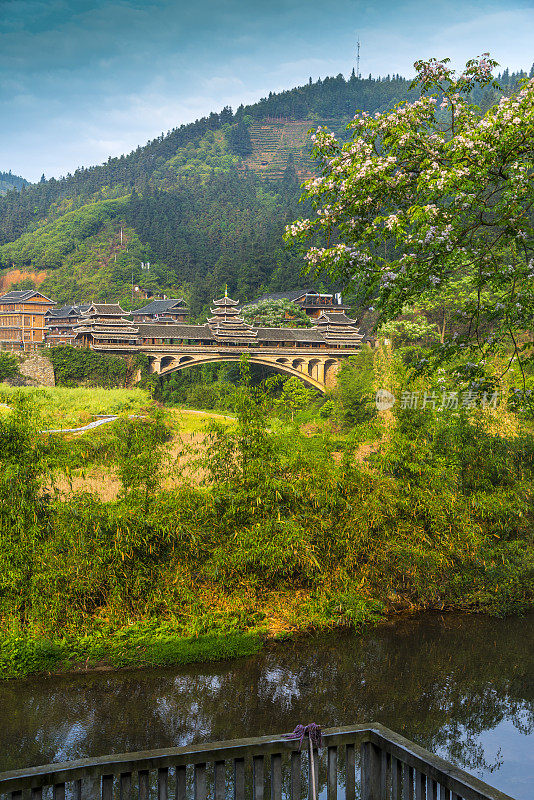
column 460, row 685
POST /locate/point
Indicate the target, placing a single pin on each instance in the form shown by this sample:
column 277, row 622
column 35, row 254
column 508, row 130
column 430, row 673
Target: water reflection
column 462, row 686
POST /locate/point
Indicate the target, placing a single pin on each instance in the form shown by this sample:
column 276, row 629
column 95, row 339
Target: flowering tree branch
column 428, row 193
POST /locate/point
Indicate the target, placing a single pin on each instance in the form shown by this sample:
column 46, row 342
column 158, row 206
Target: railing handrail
column 434, row 767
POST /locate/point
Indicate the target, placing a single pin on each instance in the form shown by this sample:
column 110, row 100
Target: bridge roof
column 289, row 335
column 178, row 331
column 184, row 331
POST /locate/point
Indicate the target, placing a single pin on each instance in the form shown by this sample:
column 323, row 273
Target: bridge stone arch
column 283, row 365
column 166, row 361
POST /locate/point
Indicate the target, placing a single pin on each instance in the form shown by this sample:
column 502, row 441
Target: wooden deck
column 369, row 762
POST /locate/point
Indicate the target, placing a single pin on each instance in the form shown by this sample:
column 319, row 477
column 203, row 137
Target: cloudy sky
column 84, row 79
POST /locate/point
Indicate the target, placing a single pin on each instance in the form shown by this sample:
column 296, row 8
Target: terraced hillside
column 273, row 140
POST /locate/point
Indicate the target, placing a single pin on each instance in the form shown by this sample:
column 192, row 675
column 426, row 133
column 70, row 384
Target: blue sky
column 84, row 79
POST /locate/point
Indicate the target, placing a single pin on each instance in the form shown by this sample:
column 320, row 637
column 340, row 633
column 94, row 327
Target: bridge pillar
column 155, row 364
column 331, row 369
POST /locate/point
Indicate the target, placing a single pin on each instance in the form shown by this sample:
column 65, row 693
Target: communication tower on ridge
column 358, row 58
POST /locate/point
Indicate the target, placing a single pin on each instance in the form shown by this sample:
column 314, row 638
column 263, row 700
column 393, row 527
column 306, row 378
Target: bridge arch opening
column 281, row 365
column 166, row 362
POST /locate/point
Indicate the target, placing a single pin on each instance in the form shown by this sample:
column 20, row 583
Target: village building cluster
column 30, row 320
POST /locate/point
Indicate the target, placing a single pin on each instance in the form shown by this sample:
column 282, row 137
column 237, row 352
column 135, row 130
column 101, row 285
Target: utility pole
column 358, row 59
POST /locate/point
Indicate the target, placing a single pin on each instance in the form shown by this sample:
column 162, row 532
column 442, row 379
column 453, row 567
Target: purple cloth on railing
column 312, row 731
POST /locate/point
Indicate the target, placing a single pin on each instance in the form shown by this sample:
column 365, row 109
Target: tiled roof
column 225, row 301
column 66, row 311
column 150, row 331
column 292, row 295
column 160, row 306
column 289, row 335
column 22, row 296
column 183, row 331
column 107, row 309
column 337, row 318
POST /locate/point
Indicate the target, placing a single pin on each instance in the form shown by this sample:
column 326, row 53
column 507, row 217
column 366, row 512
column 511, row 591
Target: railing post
column 331, row 773
column 385, row 773
column 163, row 783
column 125, row 786
column 219, row 780
column 420, row 786
column 59, row 791
column 107, row 787
column 142, row 776
column 257, row 777
column 350, row 777
column 295, row 775
column 276, row 776
column 239, row 779
column 200, row 781
column 370, row 755
column 180, row 783
column 396, row 779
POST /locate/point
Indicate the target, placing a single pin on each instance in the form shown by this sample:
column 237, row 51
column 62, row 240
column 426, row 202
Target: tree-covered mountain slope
column 8, row 181
column 205, row 204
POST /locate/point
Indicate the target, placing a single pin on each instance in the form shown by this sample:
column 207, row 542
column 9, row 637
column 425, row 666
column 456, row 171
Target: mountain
column 204, row 205
column 9, row 181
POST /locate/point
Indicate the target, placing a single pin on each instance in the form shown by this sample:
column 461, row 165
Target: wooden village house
column 22, row 319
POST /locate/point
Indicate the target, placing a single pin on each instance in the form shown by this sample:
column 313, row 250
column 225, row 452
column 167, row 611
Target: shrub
column 9, row 365
column 74, row 366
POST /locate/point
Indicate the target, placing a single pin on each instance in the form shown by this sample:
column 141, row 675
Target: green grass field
column 61, row 407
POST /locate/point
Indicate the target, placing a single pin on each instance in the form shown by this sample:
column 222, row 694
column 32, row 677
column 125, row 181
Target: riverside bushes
column 281, row 536
column 74, row 366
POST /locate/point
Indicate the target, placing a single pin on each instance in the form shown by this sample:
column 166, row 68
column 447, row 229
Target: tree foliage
column 9, row 365
column 429, row 193
column 239, row 139
column 74, row 366
column 276, row 314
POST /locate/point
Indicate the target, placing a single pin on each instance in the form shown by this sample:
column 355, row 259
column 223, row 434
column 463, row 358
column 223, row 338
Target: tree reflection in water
column 441, row 680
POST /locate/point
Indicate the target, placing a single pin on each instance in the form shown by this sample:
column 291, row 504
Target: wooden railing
column 392, row 768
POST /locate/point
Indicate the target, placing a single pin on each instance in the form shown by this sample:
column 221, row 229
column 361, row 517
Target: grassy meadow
column 60, row 407
column 181, row 535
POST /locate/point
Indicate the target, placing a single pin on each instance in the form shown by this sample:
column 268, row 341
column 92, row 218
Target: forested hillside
column 9, row 181
column 204, row 204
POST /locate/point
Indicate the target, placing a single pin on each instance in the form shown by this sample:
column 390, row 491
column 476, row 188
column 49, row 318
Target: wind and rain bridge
column 312, row 354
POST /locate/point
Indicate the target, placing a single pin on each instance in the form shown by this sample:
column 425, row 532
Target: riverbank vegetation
column 260, row 527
